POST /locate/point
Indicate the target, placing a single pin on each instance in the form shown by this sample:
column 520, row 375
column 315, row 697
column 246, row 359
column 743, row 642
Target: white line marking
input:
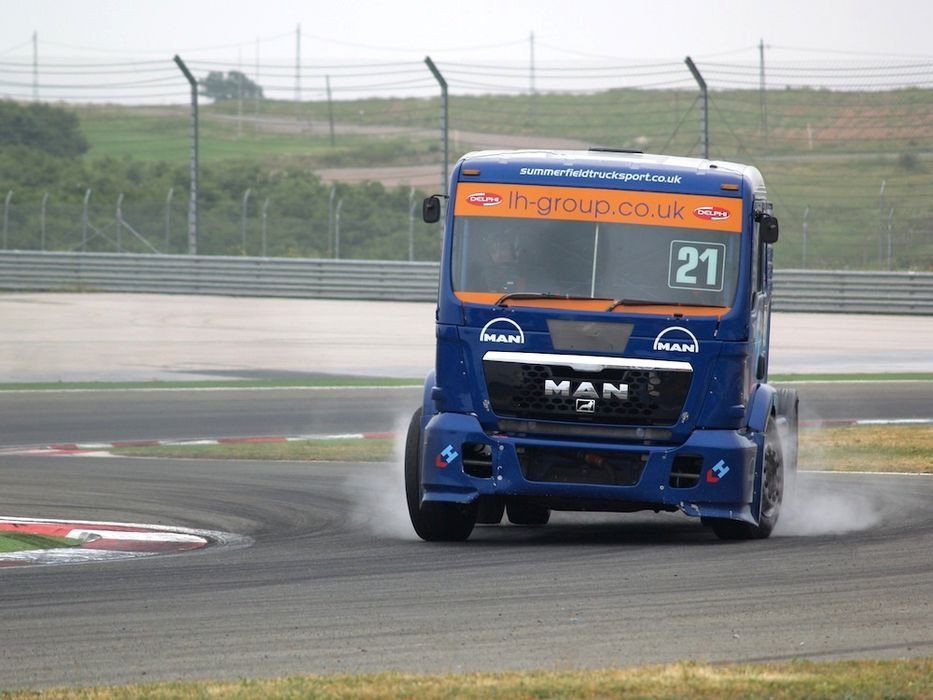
column 219, row 388
column 86, row 534
column 894, row 421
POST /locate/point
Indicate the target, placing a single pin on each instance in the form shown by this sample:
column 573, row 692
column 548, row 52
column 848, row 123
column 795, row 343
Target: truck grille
column 652, row 395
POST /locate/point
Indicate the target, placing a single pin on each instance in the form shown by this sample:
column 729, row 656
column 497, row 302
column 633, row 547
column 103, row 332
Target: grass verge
column 875, row 448
column 341, row 450
column 308, row 383
column 21, row 541
column 877, row 377
column 796, row 680
column 885, row 448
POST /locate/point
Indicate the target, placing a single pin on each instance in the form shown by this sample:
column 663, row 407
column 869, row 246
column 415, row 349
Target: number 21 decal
column 696, row 265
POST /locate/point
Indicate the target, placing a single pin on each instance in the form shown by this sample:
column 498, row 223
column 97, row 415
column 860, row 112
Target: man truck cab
column 617, row 360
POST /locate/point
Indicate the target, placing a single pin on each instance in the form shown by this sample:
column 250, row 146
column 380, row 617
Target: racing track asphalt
column 335, row 582
column 38, row 418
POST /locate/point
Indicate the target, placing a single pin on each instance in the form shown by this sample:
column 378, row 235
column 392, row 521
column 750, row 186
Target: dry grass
column 878, row 448
column 343, row 450
column 875, row 448
column 799, row 680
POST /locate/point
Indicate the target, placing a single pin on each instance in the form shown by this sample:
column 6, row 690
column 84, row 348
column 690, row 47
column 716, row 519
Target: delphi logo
column 711, row 212
column 502, row 330
column 484, row 199
column 676, row 339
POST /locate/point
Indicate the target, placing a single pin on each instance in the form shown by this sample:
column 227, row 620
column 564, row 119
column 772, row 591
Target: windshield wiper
column 645, row 302
column 633, row 302
column 539, row 295
column 687, row 303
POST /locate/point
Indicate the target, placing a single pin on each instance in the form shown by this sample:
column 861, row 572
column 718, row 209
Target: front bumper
column 724, row 462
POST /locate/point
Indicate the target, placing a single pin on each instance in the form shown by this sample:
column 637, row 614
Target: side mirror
column 767, row 228
column 431, row 209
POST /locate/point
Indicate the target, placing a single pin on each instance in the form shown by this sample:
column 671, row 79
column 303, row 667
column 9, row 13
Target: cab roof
column 607, row 169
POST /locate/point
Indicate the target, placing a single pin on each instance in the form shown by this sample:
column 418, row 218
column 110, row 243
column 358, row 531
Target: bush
column 49, row 129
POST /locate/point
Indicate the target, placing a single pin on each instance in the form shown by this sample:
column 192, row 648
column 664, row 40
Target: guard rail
column 795, row 290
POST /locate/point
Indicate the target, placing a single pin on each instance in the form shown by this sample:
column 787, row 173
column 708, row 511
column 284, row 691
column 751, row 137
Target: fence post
column 45, row 199
column 337, row 229
column 249, row 191
column 411, row 224
column 806, row 228
column 890, row 233
column 330, row 219
column 84, row 221
column 330, row 112
column 193, row 198
column 704, row 127
column 120, row 223
column 443, row 83
column 168, row 217
column 265, row 207
column 6, row 216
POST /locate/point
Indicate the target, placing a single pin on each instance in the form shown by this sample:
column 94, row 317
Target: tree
column 234, row 84
column 49, row 129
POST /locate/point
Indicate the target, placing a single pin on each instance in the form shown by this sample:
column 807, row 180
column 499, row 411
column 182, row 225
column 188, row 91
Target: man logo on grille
column 585, row 390
column 586, row 405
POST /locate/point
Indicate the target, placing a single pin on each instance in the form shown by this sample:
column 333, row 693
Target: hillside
column 850, row 172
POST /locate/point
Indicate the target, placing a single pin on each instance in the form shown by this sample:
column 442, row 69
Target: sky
column 566, row 32
column 405, row 29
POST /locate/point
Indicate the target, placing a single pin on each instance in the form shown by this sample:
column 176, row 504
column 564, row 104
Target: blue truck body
column 622, row 365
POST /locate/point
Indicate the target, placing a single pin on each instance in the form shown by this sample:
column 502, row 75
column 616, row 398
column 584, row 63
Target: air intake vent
column 477, row 460
column 580, row 466
column 686, row 471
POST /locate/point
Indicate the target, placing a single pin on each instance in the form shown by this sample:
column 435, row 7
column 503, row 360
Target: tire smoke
column 378, row 498
column 816, row 506
column 815, row 510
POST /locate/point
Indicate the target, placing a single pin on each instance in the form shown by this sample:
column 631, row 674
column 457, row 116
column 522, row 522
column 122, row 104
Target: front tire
column 772, row 495
column 433, row 521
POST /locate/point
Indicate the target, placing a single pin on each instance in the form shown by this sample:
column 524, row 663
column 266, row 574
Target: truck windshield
column 604, row 260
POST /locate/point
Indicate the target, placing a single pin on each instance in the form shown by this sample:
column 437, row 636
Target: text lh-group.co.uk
column 591, row 204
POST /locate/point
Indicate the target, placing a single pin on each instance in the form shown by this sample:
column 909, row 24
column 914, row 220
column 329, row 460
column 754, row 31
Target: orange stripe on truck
column 489, row 298
column 589, row 204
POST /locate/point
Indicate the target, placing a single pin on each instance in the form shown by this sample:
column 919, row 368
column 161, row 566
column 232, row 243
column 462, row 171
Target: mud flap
column 763, row 402
column 755, row 509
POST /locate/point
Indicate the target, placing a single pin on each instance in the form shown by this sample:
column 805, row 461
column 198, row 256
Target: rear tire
column 433, row 521
column 522, row 513
column 772, row 495
column 490, row 511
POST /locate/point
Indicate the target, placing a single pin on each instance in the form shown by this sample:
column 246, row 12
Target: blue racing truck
column 603, row 322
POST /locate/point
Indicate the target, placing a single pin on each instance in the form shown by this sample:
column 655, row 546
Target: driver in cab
column 502, row 272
